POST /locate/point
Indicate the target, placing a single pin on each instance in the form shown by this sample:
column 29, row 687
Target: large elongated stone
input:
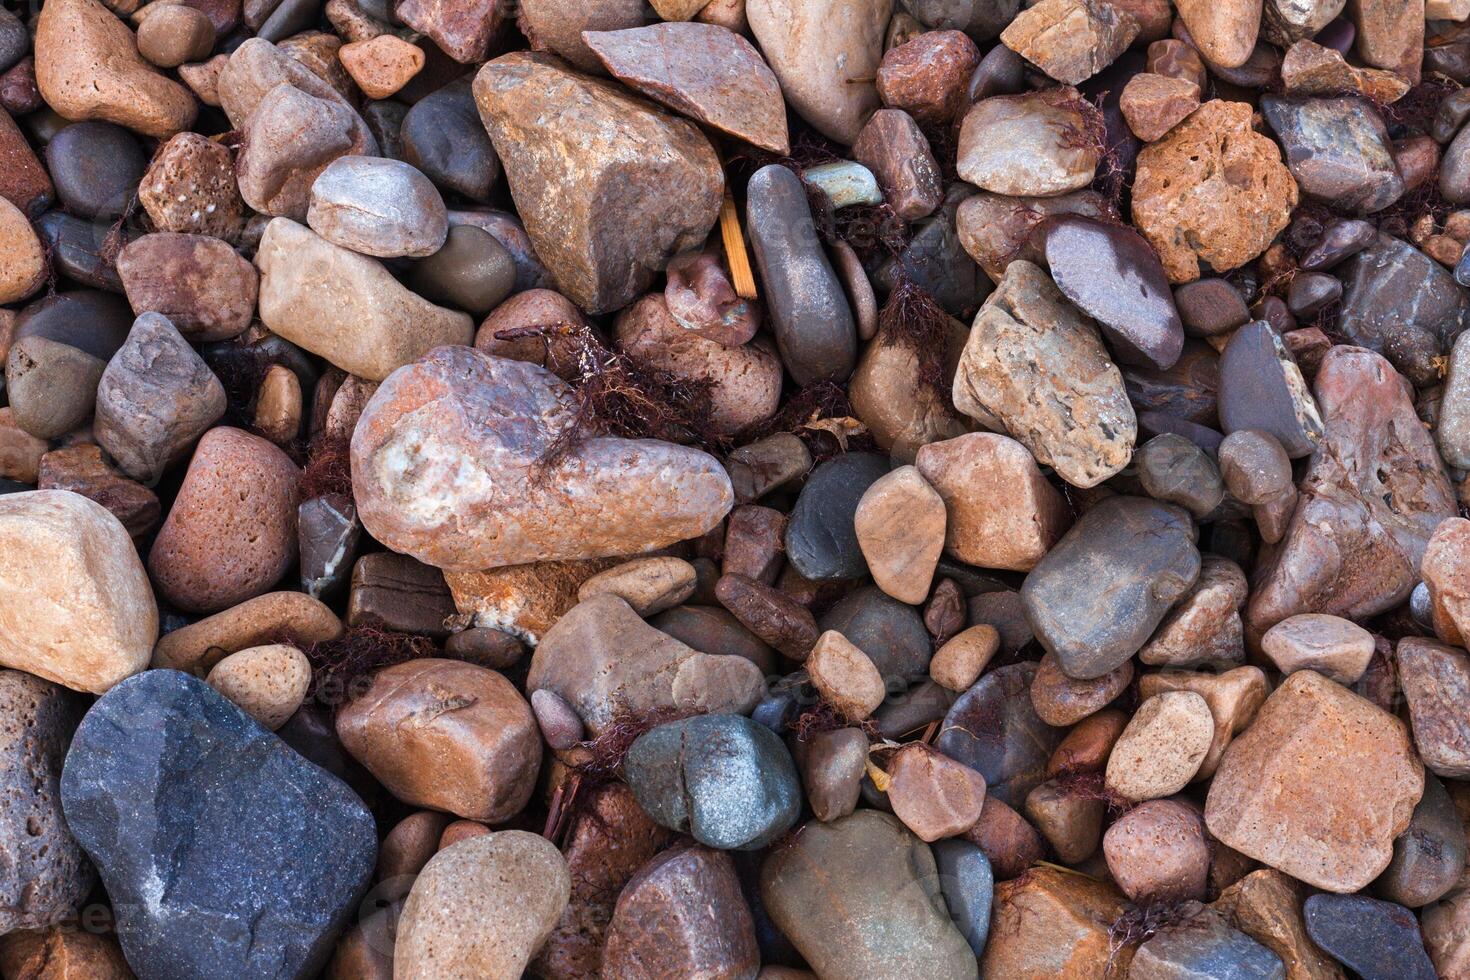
column 1096, row 597
column 447, row 465
column 233, row 856
column 1037, row 365
column 1374, row 492
column 609, row 187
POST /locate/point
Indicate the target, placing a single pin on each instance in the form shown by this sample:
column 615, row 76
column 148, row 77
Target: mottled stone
column 1337, row 150
column 996, row 230
column 1233, row 698
column 994, row 730
column 1069, row 817
column 1071, row 40
column 1061, row 701
column 1157, row 852
column 206, row 289
column 1311, row 69
column 1154, row 104
column 1055, row 924
column 199, row 646
column 82, row 469
column 375, row 206
column 927, row 77
column 1024, row 145
column 1334, row 647
column 1436, row 681
column 772, row 615
column 1162, row 747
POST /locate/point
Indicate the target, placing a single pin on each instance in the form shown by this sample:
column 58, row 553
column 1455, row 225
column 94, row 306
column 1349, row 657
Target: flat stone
column 682, row 914
column 1203, row 945
column 1375, row 939
column 927, row 77
column 861, row 897
column 1267, row 906
column 1162, row 747
column 605, row 661
column 601, row 260
column 443, row 137
column 1334, row 647
column 1154, row 104
column 380, row 207
column 994, row 730
column 724, row 779
column 199, row 646
column 1435, row 677
column 1157, row 852
column 1311, row 69
column 557, row 25
column 1318, row 786
column 1375, row 491
column 1020, row 145
column 1037, row 365
column 1262, row 388
column 1055, row 923
column 78, row 609
column 1145, row 553
column 347, row 307
column 1211, row 191
column 295, row 844
column 396, row 593
column 1402, row 304
column 482, row 907
column 1429, row 857
column 1071, row 40
column 705, row 72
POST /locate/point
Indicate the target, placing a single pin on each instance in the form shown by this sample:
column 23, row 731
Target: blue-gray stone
column 1203, row 947
column 821, row 542
column 224, row 852
column 890, row 632
column 724, row 779
column 968, row 885
column 1376, row 940
column 994, row 730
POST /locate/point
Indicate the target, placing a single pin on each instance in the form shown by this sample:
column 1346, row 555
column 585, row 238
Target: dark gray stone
column 890, row 632
column 224, row 852
column 994, row 730
column 1402, row 304
column 1262, row 388
column 968, row 886
column 981, row 19
column 84, row 251
column 96, row 167
column 290, row 17
column 1175, row 470
column 1337, row 149
column 821, row 542
column 1097, row 596
column 808, row 307
column 1203, row 946
column 1376, row 940
column 44, row 876
column 443, row 136
column 327, row 530
column 1429, row 857
column 1312, row 292
column 935, row 260
column 1341, row 241
column 724, row 779
column 15, row 40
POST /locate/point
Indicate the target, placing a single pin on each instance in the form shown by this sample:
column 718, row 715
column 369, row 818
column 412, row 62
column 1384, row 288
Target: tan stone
column 22, row 260
column 523, row 600
column 1223, row 30
column 900, row 528
column 1205, row 628
column 199, row 646
column 903, row 411
column 1155, row 104
column 1028, row 145
column 1056, row 924
column 958, row 663
column 62, row 952
column 267, row 682
column 482, row 908
column 845, row 676
column 1318, row 786
column 383, row 65
column 1336, row 648
column 1267, row 906
column 1071, row 40
column 1234, row 698
column 1162, row 747
column 1311, row 69
column 649, row 585
column 1446, row 571
column 932, row 794
column 75, row 604
column 1002, row 512
column 88, row 67
column 1390, row 34
column 1212, row 190
column 20, row 452
column 278, row 406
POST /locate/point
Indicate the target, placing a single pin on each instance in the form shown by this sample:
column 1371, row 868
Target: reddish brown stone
column 1446, row 571
column 928, row 76
column 190, row 187
column 770, row 614
column 1010, row 843
column 1155, row 104
column 23, row 181
column 1052, row 923
column 81, row 469
column 1088, row 745
column 1069, row 816
column 1157, row 852
column 1061, row 701
column 18, row 92
column 1267, row 906
column 62, row 952
column 1436, row 684
column 205, row 288
column 463, row 29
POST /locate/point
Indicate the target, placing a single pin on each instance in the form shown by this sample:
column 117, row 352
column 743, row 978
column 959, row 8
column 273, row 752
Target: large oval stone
column 233, row 855
column 451, row 464
column 821, row 538
column 994, row 729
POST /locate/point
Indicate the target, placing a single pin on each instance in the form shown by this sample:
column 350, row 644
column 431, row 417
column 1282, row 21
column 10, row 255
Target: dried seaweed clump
column 328, row 468
column 342, row 669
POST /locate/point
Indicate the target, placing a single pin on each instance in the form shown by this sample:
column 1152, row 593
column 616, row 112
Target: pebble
column 890, row 632
column 1162, row 747
column 1203, row 944
column 1262, row 388
column 1375, row 939
column 206, row 289
column 1211, row 191
column 895, row 149
column 958, row 663
column 18, row 92
column 994, row 730
column 97, row 167
column 1071, row 40
column 234, row 804
column 482, row 908
column 821, row 538
column 1444, row 570
column 46, row 876
column 649, row 585
column 605, row 661
column 669, row 180
column 701, row 298
column 934, row 796
column 535, row 307
column 1173, row 469
column 928, row 76
column 22, row 257
column 1019, row 144
column 1036, row 364
column 397, row 593
column 900, row 527
column 772, row 615
column 1266, row 905
column 1341, row 240
column 1158, row 852
column 1434, row 678
column 832, row 769
column 173, row 34
column 1154, row 104
column 845, row 676
column 444, row 138
column 1318, row 786
column 471, row 272
column 996, row 230
column 446, row 735
column 190, row 188
column 1311, row 69
column 379, row 207
column 20, row 452
column 1255, row 466
column 902, row 409
column 1056, row 923
column 24, row 182
column 268, row 683
column 1334, row 647
column 1210, row 307
column 1429, row 857
column 724, row 779
column 1061, row 701
column 82, row 469
column 382, row 65
column 1069, row 818
column 860, row 897
column 231, row 533
column 199, row 646
column 557, row 26
column 1337, row 150
column 63, row 953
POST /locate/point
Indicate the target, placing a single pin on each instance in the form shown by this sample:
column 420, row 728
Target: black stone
column 1262, row 388
column 84, row 251
column 290, row 17
column 935, row 260
column 983, row 20
column 913, row 710
column 1187, row 391
column 444, row 137
column 1376, row 940
column 1000, row 72
column 994, row 730
column 821, row 543
column 96, row 167
column 384, row 118
column 224, row 852
column 890, row 632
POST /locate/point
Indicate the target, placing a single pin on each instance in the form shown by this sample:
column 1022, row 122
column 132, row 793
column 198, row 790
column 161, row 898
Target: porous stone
column 268, row 683
column 1162, row 747
column 1157, row 852
column 382, row 65
column 190, row 188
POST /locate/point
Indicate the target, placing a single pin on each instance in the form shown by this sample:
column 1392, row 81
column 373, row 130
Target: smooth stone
column 268, row 683
column 1337, row 150
column 958, row 663
column 1061, row 701
column 24, row 181
column 1429, row 857
column 935, row 261
column 1162, row 747
column 1143, row 550
column 482, row 908
column 1376, row 940
column 712, row 630
column 893, row 393
column 97, row 167
column 347, row 307
column 444, row 138
column 996, row 229
column 1210, row 307
column 199, row 646
column 649, row 585
column 1233, row 698
column 1021, row 145
column 934, row 796
column 46, row 876
column 1186, row 392
column 708, row 73
column 15, row 40
column 861, row 897
column 1452, row 432
column 557, row 26
column 832, row 769
column 666, row 172
column 994, row 730
column 532, row 309
column 1176, row 471
column 88, row 67
column 605, row 661
column 379, row 207
column 1341, row 241
column 20, row 452
column 173, row 34
column 1204, row 945
column 767, row 464
column 396, row 593
column 1255, row 466
column 1069, row 817
column 429, row 422
column 724, row 779
column 327, row 534
column 1028, row 338
column 968, row 885
column 1334, row 647
column 895, row 150
column 52, row 386
column 1445, row 583
column 189, row 187
column 1262, row 388
column 1435, row 677
column 1267, row 906
column 78, row 607
column 23, row 267
column 1055, row 923
column 1158, row 852
column 809, row 310
column 702, row 299
column 1318, row 786
column 889, row 632
column 899, row 523
column 217, row 798
column 821, row 538
column 826, row 54
column 1377, row 482
column 472, row 272
column 83, row 251
column 205, row 288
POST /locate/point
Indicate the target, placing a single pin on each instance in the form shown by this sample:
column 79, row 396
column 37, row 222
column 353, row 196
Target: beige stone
column 1162, row 747
column 1336, row 648
column 900, row 528
column 1234, row 698
column 649, row 585
column 1036, row 144
column 22, row 260
column 1311, row 69
column 1223, row 30
column 20, row 452
column 75, row 603
column 845, row 676
column 267, row 682
column 959, row 663
column 199, row 646
column 1071, row 40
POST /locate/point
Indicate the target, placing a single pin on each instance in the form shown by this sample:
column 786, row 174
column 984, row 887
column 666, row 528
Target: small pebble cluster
column 734, row 489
